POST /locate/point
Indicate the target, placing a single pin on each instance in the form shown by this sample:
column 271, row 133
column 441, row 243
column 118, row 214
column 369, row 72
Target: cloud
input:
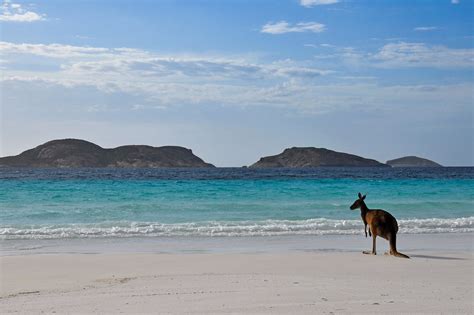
column 169, row 67
column 312, row 3
column 425, row 28
column 75, row 60
column 131, row 76
column 54, row 50
column 14, row 12
column 283, row 27
column 455, row 1
column 190, row 69
column 164, row 80
column 397, row 55
column 298, row 96
column 300, row 72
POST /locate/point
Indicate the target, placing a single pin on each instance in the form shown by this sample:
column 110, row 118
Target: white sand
column 270, row 282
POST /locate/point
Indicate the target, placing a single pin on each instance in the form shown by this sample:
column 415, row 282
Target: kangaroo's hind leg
column 373, row 252
column 393, row 246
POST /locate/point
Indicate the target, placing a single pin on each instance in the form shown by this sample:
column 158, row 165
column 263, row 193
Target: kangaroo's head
column 359, row 202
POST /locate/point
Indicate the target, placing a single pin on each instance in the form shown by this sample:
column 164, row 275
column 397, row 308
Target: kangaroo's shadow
column 437, row 257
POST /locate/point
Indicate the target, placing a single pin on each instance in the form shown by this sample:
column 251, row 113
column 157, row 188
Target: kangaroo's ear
column 363, row 197
column 360, row 196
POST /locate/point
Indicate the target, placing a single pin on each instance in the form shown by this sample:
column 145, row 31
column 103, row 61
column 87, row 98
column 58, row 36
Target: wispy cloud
column 455, row 1
column 299, row 96
column 65, row 51
column 283, row 27
column 163, row 79
column 143, row 77
column 116, row 60
column 14, row 12
column 312, row 3
column 425, row 28
column 399, row 55
column 422, row 55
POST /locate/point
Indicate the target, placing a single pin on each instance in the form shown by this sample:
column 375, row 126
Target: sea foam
column 319, row 226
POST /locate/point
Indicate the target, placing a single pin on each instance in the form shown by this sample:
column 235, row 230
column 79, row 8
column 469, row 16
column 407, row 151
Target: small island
column 70, row 153
column 412, row 161
column 314, row 157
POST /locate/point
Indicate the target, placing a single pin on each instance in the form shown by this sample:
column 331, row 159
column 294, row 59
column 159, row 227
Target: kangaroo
column 381, row 223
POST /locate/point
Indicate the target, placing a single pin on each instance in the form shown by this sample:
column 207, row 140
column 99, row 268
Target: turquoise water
column 48, row 205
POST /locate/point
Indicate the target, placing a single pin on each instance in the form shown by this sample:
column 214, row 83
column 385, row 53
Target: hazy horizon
column 238, row 80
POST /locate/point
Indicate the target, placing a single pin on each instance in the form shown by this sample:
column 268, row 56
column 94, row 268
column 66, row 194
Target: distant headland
column 412, row 161
column 73, row 153
column 314, row 157
column 80, row 153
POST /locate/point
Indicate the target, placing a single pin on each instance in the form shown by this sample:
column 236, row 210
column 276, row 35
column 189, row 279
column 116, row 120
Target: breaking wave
column 318, row 226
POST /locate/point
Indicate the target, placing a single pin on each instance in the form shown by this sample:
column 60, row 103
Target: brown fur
column 381, row 223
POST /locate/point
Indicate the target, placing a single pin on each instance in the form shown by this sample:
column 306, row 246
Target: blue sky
column 237, row 80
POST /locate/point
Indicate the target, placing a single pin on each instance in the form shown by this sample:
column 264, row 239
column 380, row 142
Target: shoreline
column 229, row 244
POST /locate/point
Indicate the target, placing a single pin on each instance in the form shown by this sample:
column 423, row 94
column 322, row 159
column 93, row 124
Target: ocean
column 227, row 202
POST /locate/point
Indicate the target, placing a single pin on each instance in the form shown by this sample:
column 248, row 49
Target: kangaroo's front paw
column 368, row 252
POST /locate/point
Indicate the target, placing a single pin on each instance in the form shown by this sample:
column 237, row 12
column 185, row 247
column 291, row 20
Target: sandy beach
column 280, row 280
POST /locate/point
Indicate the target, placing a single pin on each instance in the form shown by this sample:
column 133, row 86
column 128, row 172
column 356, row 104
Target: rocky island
column 315, row 157
column 412, row 161
column 80, row 153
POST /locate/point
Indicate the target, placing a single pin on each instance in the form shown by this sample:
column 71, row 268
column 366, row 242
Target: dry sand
column 316, row 282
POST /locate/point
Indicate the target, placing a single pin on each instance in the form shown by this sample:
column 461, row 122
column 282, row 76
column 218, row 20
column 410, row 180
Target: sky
column 237, row 80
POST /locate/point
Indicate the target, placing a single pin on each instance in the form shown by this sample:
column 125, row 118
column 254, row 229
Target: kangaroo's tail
column 393, row 247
